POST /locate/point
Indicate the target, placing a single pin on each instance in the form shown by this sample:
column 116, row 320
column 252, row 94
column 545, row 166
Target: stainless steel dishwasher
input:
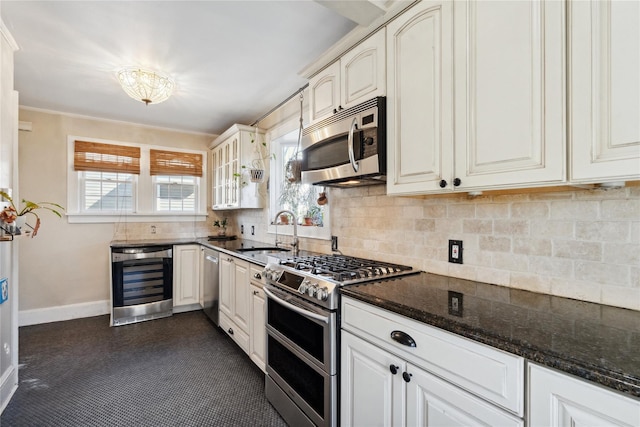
column 211, row 284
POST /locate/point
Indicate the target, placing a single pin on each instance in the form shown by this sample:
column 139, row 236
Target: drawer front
column 256, row 274
column 238, row 335
column 487, row 372
column 432, row 401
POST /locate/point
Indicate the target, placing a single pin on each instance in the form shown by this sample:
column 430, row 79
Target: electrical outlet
column 153, row 229
column 455, row 303
column 253, row 230
column 455, row 251
column 334, row 243
column 241, row 228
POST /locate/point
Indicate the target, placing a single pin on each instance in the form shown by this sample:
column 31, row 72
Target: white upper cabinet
column 324, row 93
column 604, row 90
column 509, row 86
column 420, row 98
column 496, row 118
column 233, row 154
column 359, row 75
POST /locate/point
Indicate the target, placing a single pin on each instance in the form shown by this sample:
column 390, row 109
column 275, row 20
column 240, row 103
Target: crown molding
column 354, row 37
column 6, row 34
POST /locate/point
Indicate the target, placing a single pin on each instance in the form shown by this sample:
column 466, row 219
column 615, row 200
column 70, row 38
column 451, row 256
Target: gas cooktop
column 318, row 278
column 345, row 269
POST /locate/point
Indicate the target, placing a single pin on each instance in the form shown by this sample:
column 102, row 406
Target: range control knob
column 312, row 290
column 323, row 294
column 303, row 287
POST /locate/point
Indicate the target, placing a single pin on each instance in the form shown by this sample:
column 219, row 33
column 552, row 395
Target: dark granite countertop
column 230, row 247
column 596, row 342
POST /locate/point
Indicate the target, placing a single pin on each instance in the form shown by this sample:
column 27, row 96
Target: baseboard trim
column 8, row 386
column 188, row 307
column 63, row 312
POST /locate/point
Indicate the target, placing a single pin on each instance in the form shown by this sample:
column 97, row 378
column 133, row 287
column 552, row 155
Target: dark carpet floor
column 176, row 371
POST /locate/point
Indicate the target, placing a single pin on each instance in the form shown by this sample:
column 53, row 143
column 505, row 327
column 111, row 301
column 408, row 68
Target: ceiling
column 232, row 61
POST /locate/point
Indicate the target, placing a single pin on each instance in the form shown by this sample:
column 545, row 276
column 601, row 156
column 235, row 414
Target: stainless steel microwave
column 348, row 148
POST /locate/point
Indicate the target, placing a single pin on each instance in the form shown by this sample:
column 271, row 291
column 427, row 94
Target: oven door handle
column 352, row 157
column 298, row 310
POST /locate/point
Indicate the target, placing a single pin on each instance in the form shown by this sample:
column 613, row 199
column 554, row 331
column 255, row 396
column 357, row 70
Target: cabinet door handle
column 406, row 376
column 256, row 292
column 442, row 183
column 394, row 369
column 230, row 331
column 457, row 182
column 257, row 276
column 403, row 338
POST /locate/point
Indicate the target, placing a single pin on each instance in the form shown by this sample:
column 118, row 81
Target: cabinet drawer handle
column 394, row 369
column 256, row 292
column 403, row 338
column 406, row 376
column 257, row 276
column 230, row 331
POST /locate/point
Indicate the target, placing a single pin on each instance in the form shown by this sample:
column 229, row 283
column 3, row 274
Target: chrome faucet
column 294, row 245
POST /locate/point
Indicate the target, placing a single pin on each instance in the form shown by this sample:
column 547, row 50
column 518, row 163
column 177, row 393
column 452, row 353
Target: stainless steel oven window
column 303, row 379
column 316, row 339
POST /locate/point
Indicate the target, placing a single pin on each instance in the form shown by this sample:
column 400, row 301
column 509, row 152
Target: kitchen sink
column 263, row 249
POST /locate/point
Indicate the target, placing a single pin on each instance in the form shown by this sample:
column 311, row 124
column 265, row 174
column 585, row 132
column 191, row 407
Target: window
column 110, row 179
column 107, row 191
column 296, row 197
column 107, row 173
column 175, row 176
column 175, row 193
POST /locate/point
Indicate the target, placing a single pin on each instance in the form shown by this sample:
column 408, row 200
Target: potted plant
column 296, row 197
column 256, row 170
column 222, row 225
column 13, row 218
column 312, row 215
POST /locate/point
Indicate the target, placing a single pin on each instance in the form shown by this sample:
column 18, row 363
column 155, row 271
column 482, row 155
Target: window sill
column 95, row 218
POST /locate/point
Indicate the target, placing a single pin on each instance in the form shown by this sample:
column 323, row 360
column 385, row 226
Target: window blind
column 93, row 156
column 175, row 163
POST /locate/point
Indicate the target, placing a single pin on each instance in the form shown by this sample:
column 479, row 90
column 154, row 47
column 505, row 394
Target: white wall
column 67, row 265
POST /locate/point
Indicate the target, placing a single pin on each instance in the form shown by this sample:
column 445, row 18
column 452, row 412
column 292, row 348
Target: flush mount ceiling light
column 150, row 87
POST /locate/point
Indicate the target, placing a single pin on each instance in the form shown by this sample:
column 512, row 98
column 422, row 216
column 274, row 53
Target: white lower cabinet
column 186, row 276
column 381, row 389
column 235, row 309
column 443, row 379
column 258, row 336
column 243, row 307
column 559, row 400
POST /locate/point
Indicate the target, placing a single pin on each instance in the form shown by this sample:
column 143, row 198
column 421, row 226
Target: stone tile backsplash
column 581, row 244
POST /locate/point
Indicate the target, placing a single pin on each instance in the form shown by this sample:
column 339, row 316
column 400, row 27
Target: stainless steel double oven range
column 303, row 329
